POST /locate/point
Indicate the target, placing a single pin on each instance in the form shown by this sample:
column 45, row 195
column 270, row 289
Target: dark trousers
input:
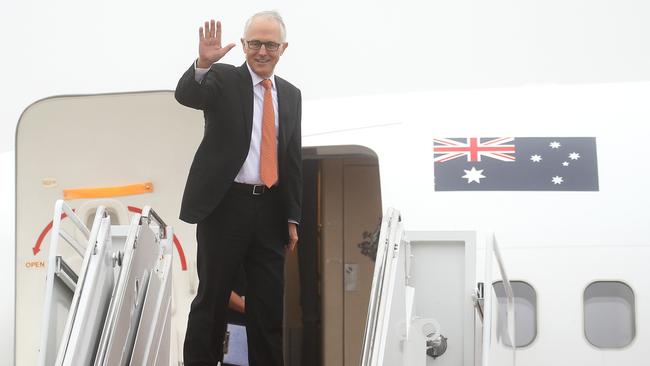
column 249, row 230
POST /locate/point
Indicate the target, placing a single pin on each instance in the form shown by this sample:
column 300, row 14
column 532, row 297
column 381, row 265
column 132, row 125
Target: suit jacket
column 226, row 98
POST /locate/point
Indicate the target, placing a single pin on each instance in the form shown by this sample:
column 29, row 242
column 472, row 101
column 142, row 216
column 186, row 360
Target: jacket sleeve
column 193, row 94
column 294, row 168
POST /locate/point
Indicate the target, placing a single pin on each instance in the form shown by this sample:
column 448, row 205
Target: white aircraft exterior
column 373, row 154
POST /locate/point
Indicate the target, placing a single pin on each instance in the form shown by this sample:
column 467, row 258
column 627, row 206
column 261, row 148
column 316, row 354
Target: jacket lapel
column 283, row 113
column 246, row 93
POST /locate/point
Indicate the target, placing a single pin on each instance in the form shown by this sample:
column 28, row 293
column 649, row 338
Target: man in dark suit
column 244, row 187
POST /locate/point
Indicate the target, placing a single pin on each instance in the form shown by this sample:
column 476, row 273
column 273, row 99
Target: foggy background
column 336, row 48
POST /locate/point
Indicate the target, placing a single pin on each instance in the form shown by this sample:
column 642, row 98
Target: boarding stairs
column 115, row 309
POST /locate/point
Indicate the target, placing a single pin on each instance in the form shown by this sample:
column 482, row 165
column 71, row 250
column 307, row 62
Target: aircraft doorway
column 328, row 279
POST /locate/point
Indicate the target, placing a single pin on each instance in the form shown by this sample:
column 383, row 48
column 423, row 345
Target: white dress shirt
column 250, row 171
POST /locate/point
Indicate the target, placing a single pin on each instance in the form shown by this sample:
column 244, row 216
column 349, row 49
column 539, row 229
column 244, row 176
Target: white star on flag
column 536, row 158
column 473, row 175
column 554, row 145
column 566, row 163
column 574, row 156
column 557, row 180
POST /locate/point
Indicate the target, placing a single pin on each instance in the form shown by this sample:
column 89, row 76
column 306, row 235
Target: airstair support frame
column 140, row 272
column 493, row 254
column 385, row 269
column 47, row 349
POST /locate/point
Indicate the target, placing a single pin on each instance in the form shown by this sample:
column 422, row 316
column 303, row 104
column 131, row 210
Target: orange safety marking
column 102, row 192
column 34, row 264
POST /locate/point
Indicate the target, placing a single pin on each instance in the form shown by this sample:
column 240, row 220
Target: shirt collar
column 258, row 79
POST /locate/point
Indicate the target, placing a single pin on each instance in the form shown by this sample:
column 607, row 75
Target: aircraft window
column 609, row 314
column 525, row 313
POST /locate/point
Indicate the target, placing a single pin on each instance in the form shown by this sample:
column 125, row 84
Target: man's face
column 263, row 61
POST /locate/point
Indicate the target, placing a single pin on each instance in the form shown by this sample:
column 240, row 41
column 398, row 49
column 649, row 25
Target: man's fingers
column 218, row 32
column 293, row 236
column 213, row 29
column 201, row 37
column 228, row 47
column 292, row 245
column 222, row 51
column 206, row 26
column 293, row 241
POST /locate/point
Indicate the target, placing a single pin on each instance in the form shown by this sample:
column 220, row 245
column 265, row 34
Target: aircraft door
column 351, row 212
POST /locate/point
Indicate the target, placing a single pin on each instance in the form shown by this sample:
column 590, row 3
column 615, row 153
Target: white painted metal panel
column 387, row 308
column 443, row 273
column 94, row 301
column 54, row 341
column 140, row 256
column 153, row 328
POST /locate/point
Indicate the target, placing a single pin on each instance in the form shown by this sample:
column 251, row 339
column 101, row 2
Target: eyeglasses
column 256, row 45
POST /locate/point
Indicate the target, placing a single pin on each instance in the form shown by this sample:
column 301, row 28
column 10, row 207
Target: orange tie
column 268, row 147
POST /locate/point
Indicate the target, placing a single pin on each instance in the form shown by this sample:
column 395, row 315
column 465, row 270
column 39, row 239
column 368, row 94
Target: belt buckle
column 257, row 192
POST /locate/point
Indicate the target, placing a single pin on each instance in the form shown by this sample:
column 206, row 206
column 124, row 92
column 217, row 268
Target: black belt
column 252, row 189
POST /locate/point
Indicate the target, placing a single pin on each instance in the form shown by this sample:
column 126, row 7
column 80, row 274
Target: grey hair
column 269, row 14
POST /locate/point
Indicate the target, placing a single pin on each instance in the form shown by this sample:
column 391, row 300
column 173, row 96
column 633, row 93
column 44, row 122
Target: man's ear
column 284, row 46
column 243, row 44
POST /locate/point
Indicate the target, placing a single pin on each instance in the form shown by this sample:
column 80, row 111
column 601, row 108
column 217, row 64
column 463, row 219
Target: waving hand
column 210, row 50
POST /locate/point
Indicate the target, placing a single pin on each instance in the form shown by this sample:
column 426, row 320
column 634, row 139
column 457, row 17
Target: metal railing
column 493, row 253
column 58, row 268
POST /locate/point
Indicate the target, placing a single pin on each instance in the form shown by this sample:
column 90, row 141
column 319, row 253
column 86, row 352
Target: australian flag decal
column 515, row 164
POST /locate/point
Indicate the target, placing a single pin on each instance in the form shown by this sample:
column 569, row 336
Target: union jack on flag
column 445, row 149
